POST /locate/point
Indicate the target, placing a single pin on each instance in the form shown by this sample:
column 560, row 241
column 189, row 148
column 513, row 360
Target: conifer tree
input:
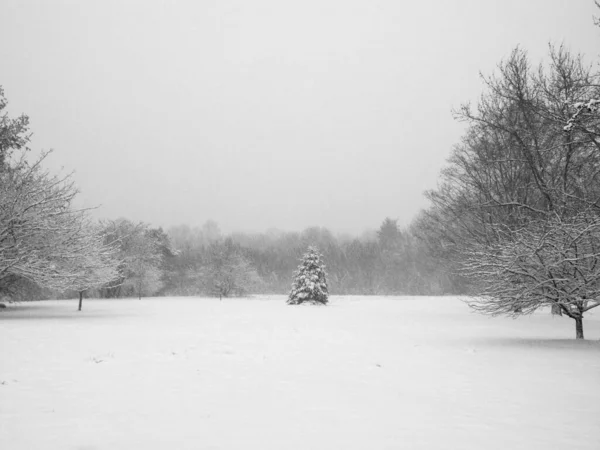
column 309, row 283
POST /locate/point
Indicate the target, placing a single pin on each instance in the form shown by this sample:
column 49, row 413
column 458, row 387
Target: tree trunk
column 80, row 300
column 579, row 328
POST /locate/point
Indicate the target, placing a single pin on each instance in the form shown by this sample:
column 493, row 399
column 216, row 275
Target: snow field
column 360, row 373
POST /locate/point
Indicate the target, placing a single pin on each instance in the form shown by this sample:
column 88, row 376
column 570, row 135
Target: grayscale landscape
column 327, row 224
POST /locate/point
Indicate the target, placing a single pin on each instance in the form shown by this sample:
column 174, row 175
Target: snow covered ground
column 363, row 373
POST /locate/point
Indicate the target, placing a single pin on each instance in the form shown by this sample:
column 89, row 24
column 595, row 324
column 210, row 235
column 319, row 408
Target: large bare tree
column 521, row 186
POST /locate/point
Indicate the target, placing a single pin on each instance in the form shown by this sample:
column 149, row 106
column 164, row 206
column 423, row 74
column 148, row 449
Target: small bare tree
column 227, row 272
column 95, row 266
column 140, row 256
column 145, row 276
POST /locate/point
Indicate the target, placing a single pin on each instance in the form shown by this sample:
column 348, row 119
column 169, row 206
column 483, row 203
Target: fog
column 262, row 114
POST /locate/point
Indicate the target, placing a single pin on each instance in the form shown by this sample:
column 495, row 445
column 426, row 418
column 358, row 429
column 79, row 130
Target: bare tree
column 227, row 272
column 145, row 276
column 520, row 178
column 96, row 266
column 42, row 238
column 140, row 256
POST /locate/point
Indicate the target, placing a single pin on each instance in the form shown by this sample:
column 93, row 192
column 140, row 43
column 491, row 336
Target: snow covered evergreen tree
column 309, row 284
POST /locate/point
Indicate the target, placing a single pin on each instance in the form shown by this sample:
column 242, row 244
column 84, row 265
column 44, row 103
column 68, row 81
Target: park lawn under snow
column 361, row 373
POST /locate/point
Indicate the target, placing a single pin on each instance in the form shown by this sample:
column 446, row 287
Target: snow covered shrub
column 309, row 283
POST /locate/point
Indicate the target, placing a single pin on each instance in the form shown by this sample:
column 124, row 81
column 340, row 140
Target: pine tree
column 309, row 283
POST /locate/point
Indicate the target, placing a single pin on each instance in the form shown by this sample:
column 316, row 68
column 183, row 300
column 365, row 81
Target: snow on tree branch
column 42, row 238
column 310, row 283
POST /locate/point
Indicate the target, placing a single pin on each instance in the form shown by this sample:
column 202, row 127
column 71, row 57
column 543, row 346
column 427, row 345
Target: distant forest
column 201, row 261
column 388, row 261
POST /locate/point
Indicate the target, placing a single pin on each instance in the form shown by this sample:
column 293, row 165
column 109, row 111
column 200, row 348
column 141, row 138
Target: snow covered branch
column 548, row 263
column 42, row 238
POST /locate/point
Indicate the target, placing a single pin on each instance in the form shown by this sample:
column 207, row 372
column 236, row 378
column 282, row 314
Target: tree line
column 388, row 261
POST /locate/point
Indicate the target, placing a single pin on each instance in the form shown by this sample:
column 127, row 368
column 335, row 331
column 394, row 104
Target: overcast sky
column 262, row 113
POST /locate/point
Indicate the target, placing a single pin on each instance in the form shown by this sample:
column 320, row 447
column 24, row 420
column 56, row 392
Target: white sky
column 264, row 113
